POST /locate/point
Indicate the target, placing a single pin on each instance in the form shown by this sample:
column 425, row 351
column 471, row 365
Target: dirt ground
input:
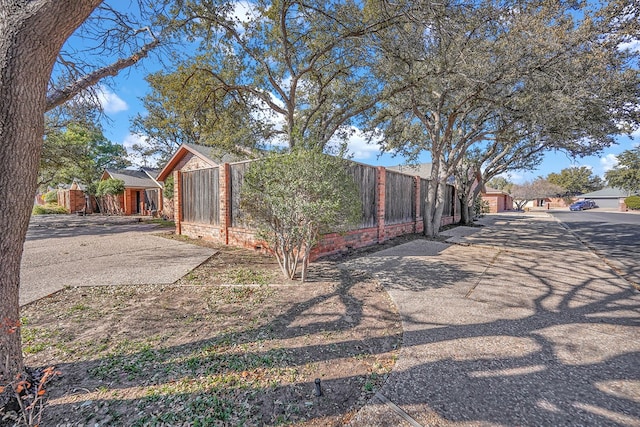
column 231, row 343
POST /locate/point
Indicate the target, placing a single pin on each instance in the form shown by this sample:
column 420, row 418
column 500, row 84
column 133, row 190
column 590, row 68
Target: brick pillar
column 177, row 201
column 225, row 200
column 416, row 183
column 381, row 197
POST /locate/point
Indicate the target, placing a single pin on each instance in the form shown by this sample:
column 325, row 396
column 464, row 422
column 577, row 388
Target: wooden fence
column 400, row 199
column 201, row 196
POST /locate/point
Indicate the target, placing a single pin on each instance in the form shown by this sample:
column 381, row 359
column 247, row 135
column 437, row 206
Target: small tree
column 538, row 189
column 293, row 198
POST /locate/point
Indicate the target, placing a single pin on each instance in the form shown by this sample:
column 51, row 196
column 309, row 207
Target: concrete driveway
column 100, row 251
column 518, row 325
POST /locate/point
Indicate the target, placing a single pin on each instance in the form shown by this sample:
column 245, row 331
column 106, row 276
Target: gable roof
column 423, row 170
column 210, row 155
column 606, row 193
column 132, row 178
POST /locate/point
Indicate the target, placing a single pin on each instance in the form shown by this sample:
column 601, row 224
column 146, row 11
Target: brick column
column 225, row 200
column 177, row 201
column 381, row 197
column 416, row 181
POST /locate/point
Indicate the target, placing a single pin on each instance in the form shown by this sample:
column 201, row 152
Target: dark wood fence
column 365, row 179
column 238, row 218
column 201, row 196
column 400, row 203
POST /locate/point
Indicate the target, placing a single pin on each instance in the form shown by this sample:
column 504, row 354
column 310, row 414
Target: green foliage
column 167, row 192
column 576, row 180
column 500, row 183
column 51, row 197
column 626, row 175
column 49, row 209
column 293, row 198
column 77, row 151
column 632, row 202
column 110, row 187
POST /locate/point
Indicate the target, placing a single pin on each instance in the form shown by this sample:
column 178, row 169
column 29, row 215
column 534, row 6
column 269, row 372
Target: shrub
column 633, row 202
column 51, row 197
column 168, row 188
column 48, row 209
column 110, row 187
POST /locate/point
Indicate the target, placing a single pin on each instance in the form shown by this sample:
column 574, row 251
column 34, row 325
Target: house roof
column 132, row 178
column 423, row 170
column 489, row 190
column 211, row 155
column 606, row 193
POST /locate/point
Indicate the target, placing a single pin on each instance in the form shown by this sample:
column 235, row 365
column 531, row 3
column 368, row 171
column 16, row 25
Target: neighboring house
column 142, row 192
column 498, row 200
column 549, row 203
column 608, row 197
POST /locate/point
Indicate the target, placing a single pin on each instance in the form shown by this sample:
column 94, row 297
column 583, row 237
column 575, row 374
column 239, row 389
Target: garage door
column 607, row 203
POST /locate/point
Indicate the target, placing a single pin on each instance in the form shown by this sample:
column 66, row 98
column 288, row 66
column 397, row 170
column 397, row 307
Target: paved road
column 615, row 236
column 65, row 250
column 520, row 325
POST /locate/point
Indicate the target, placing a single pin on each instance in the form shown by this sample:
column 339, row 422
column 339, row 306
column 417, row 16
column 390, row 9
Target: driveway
column 519, row 324
column 65, row 250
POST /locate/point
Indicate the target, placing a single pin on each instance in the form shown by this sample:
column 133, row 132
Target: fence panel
column 238, row 218
column 424, row 188
column 201, row 196
column 399, row 198
column 365, row 179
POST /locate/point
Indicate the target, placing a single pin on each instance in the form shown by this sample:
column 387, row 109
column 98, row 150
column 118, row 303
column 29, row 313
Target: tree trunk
column 31, row 35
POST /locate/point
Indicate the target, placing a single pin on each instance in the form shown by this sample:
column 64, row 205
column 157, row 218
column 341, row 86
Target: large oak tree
column 32, row 34
column 545, row 75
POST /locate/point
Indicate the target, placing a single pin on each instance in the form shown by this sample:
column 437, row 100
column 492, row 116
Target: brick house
column 498, row 200
column 142, row 192
column 207, row 202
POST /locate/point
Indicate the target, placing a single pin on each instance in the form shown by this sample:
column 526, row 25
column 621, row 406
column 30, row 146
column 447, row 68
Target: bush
column 633, row 202
column 48, row 209
column 110, row 187
column 168, row 188
column 51, row 197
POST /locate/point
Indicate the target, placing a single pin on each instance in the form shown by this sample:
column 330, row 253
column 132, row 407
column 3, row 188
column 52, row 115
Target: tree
column 539, row 188
column 297, row 66
column 508, row 73
column 626, row 174
column 500, row 183
column 78, row 152
column 293, row 198
column 576, row 180
column 31, row 36
column 184, row 108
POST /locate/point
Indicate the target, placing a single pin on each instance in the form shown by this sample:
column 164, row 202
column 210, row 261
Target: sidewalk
column 519, row 324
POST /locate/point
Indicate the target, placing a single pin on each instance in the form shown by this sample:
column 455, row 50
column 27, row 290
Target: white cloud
column 136, row 159
column 608, row 162
column 632, row 46
column 110, row 102
column 360, row 148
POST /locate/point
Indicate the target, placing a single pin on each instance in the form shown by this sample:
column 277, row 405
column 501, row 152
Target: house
column 498, row 200
column 608, row 198
column 142, row 192
column 207, row 192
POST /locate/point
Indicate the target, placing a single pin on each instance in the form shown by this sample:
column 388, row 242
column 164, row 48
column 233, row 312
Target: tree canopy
column 539, row 188
column 576, row 180
column 78, row 151
column 626, row 174
column 505, row 77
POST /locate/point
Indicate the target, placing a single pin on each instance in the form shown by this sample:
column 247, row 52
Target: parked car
column 583, row 205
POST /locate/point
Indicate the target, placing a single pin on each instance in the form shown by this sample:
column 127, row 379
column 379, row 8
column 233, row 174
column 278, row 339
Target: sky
column 122, row 101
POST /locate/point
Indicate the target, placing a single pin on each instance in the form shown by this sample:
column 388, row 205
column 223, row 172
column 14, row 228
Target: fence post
column 177, row 200
column 225, row 200
column 381, row 200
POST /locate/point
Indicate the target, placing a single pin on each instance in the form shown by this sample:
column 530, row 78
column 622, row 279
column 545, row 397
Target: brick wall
column 330, row 244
